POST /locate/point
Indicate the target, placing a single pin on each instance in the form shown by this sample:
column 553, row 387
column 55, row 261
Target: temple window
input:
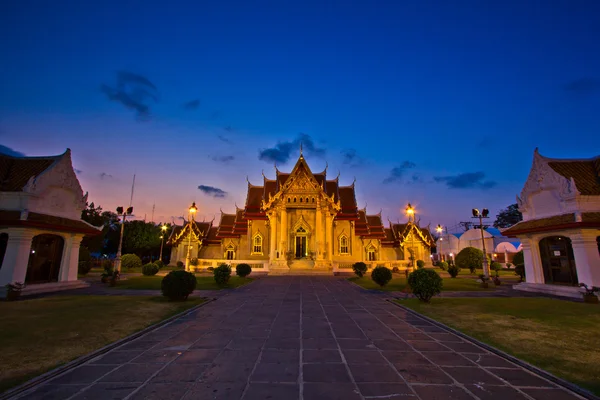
column 300, row 199
column 313, row 199
column 230, row 252
column 257, row 244
column 343, row 245
column 289, row 199
column 307, row 199
column 294, row 199
column 371, row 254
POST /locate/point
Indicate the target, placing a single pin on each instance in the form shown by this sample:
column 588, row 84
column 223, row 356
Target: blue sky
column 433, row 102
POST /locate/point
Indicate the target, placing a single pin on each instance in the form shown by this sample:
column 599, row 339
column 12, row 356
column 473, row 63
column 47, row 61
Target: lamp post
column 481, row 215
column 123, row 214
column 451, row 257
column 162, row 241
column 192, row 210
column 439, row 230
column 410, row 211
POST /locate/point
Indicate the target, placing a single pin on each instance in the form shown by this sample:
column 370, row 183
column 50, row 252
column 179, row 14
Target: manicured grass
column 37, row 335
column 204, row 282
column 558, row 336
column 398, row 283
column 504, row 273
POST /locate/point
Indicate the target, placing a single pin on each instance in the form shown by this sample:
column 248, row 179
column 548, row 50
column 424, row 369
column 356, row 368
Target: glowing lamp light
column 409, row 209
column 164, row 228
column 193, row 208
column 439, row 229
column 451, row 254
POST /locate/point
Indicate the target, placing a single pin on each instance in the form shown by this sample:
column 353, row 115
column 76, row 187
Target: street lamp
column 192, row 210
column 481, row 215
column 162, row 240
column 123, row 214
column 410, row 211
column 439, row 230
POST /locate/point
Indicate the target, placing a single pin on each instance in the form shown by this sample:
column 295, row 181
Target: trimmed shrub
column 395, row 270
column 210, row 269
column 508, row 265
column 222, row 274
column 495, row 266
column 470, row 257
column 381, row 275
column 159, row 263
column 85, row 261
column 130, row 261
column 425, row 283
column 359, row 268
column 420, row 264
column 180, row 264
column 443, row 265
column 518, row 259
column 107, row 265
column 453, row 270
column 243, row 270
column 194, row 261
column 178, row 285
column 520, row 271
column 150, row 269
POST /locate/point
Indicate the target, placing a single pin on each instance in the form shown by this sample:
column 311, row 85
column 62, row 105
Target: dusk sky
column 436, row 103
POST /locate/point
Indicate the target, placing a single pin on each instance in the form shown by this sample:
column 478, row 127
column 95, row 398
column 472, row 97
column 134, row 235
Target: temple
column 300, row 221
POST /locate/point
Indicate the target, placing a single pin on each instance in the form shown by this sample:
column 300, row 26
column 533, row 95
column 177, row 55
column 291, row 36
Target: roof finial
column 301, row 148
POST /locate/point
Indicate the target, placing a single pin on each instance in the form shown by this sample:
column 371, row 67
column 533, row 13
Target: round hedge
column 443, row 265
column 222, row 274
column 420, row 264
column 453, row 270
column 160, row 263
column 194, row 261
column 179, row 264
column 129, row 261
column 150, row 269
column 425, row 283
column 178, row 285
column 243, row 270
column 469, row 257
column 381, row 275
column 85, row 261
column 518, row 259
column 359, row 268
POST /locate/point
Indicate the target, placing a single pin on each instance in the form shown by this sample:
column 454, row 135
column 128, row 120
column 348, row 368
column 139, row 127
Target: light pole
column 123, row 215
column 481, row 215
column 188, row 259
column 440, row 230
column 410, row 211
column 162, row 241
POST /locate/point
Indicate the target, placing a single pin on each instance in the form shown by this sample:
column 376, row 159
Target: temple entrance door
column 558, row 262
column 301, row 243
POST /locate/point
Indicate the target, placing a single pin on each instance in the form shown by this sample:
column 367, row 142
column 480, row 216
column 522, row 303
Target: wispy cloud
column 282, row 151
column 191, row 105
column 10, row 152
column 222, row 159
column 212, row 191
column 468, row 180
column 224, row 139
column 105, row 175
column 583, row 85
column 397, row 173
column 77, row 171
column 133, row 91
column 351, row 158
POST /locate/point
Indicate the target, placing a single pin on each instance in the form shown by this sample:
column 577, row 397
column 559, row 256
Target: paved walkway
column 299, row 338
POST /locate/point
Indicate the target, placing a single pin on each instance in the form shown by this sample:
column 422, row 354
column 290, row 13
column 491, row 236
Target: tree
column 508, row 217
column 141, row 238
column 107, row 240
column 469, row 257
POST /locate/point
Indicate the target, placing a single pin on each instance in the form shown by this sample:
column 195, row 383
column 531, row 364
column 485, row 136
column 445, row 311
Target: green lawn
column 204, row 282
column 398, row 284
column 37, row 335
column 558, row 336
column 503, row 273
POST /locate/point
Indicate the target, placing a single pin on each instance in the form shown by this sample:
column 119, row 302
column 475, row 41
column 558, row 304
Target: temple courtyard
column 301, row 337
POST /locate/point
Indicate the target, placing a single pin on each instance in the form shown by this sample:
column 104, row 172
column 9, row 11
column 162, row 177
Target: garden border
column 85, row 358
column 545, row 374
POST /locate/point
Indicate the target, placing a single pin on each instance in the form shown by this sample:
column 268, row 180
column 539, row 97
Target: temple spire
column 301, row 148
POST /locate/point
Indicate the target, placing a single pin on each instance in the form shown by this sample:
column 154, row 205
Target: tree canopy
column 508, row 217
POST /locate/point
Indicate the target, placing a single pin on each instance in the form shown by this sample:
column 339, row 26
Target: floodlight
column 485, row 212
column 120, row 210
column 475, row 212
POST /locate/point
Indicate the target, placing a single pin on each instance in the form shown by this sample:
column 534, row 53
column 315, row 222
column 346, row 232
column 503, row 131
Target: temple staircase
column 302, row 266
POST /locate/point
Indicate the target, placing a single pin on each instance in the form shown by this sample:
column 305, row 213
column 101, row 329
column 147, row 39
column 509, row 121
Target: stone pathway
column 299, row 338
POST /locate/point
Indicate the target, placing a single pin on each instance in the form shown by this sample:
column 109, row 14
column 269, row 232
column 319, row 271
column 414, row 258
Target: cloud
column 228, row 128
column 222, row 159
column 583, row 85
column 469, row 180
column 224, row 139
column 191, row 105
column 105, row 175
column 133, row 91
column 10, row 152
column 349, row 157
column 212, row 191
column 397, row 173
column 215, row 115
column 282, row 151
column 77, row 171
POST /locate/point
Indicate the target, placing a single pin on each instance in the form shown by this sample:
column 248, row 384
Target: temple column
column 328, row 232
column 319, row 235
column 16, row 258
column 272, row 238
column 284, row 234
column 587, row 258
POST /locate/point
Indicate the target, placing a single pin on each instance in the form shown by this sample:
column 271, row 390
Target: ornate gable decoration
column 542, row 177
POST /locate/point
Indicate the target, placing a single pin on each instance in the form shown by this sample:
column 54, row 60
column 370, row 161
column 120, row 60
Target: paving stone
column 392, row 345
column 327, row 391
column 180, row 373
column 83, row 374
column 53, row 392
column 520, row 377
column 275, row 373
column 197, row 356
column 212, row 342
column 319, row 343
column 311, row 333
column 406, row 358
column 448, row 358
column 364, row 357
column 465, row 347
column 444, row 392
column 550, row 394
column 246, row 343
column 132, row 373
column 230, row 372
column 139, row 344
column 216, row 391
column 285, row 333
column 423, row 374
column 374, row 373
column 422, row 345
column 445, row 337
column 489, row 360
column 156, row 356
column 116, row 357
column 393, row 391
column 241, row 356
column 261, row 391
column 355, row 344
column 492, row 392
column 161, row 391
column 325, row 373
column 108, row 391
column 279, row 356
column 277, row 343
column 321, row 356
column 474, row 375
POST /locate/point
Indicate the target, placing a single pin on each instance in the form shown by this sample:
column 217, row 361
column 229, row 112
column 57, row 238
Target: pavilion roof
column 554, row 223
column 585, row 173
column 15, row 218
column 15, row 172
